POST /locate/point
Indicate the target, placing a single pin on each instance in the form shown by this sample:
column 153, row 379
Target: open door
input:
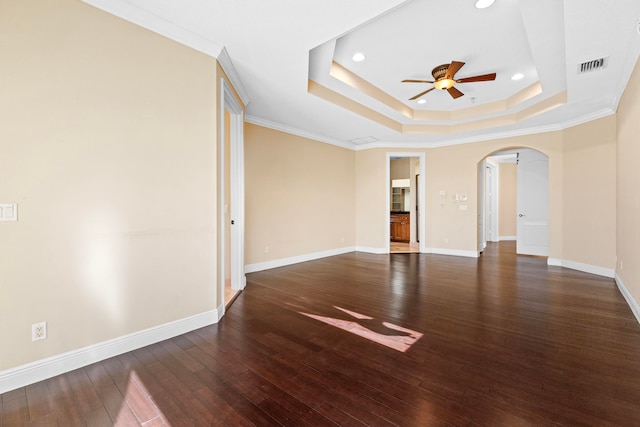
column 533, row 203
column 231, row 181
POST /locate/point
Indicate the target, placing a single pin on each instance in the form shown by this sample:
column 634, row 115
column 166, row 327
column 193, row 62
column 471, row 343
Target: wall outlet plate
column 8, row 212
column 39, row 331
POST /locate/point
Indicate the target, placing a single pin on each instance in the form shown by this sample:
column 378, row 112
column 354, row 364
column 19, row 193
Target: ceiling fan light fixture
column 517, row 76
column 482, row 4
column 444, row 84
column 422, row 101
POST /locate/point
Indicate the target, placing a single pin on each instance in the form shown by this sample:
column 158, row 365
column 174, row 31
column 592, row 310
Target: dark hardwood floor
column 377, row 340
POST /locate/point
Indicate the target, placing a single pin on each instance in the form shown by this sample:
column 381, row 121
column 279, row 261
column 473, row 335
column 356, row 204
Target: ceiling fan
column 444, row 79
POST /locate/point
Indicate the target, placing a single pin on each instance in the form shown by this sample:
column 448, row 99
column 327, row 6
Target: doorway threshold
column 404, row 248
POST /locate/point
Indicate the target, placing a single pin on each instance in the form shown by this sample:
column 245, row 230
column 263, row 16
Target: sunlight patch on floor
column 385, row 333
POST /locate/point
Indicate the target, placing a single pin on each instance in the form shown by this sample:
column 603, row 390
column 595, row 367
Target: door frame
column 492, row 196
column 521, row 221
column 229, row 103
column 420, row 197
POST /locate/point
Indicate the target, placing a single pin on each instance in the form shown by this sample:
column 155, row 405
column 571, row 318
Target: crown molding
column 152, row 22
column 227, row 65
column 298, row 132
column 605, row 112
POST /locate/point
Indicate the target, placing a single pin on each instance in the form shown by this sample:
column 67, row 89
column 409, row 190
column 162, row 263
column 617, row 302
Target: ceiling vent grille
column 593, row 65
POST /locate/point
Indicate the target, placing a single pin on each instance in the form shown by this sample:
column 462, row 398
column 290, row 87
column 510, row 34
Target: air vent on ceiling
column 593, row 65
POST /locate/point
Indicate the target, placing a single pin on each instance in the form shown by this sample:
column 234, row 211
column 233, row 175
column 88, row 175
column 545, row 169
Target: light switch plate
column 8, row 212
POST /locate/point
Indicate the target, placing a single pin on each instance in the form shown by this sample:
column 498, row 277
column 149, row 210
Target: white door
column 533, row 203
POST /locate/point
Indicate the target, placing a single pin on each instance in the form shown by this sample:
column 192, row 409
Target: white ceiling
column 276, row 47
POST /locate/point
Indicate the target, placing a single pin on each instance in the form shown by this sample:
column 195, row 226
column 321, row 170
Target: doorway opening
column 513, row 200
column 405, row 217
column 231, row 276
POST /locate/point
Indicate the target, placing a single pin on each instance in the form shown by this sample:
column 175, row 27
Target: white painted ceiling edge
column 267, row 48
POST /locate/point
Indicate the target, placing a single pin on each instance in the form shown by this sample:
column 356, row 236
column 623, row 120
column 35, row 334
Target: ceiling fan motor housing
column 439, row 71
column 439, row 74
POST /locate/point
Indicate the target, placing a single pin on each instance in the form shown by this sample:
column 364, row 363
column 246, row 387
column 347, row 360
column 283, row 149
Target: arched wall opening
column 513, row 200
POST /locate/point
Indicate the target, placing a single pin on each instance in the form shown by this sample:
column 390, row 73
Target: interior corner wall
column 589, row 201
column 107, row 135
column 299, row 196
column 628, row 193
column 454, row 170
column 371, row 200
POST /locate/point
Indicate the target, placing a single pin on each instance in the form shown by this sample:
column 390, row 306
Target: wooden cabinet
column 400, row 227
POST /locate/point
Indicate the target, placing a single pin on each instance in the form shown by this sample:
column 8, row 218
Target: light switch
column 8, row 212
column 462, row 207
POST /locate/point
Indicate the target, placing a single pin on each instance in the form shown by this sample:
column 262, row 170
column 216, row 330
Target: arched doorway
column 513, row 200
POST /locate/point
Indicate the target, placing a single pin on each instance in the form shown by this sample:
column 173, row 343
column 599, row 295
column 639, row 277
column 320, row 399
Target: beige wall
column 454, row 169
column 299, row 195
column 107, row 136
column 589, row 205
column 400, row 169
column 628, row 188
column 507, row 185
column 371, row 195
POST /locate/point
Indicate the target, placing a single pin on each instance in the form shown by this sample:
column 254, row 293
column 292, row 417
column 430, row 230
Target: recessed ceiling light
column 517, row 76
column 422, row 101
column 358, row 57
column 481, row 4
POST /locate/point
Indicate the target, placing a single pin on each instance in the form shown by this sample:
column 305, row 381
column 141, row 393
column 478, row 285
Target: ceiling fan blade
column 421, row 93
column 453, row 69
column 455, row 93
column 482, row 78
column 417, row 81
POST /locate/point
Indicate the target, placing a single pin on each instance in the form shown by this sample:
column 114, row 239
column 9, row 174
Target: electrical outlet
column 39, row 331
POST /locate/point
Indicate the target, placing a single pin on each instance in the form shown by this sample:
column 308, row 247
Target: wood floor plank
column 38, row 401
column 503, row 340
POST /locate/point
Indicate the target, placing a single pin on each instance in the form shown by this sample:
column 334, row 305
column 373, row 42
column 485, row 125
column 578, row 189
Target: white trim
column 372, row 250
column 228, row 102
column 585, row 268
column 152, row 22
column 227, row 65
column 298, row 132
column 40, row 370
column 260, row 266
column 494, row 219
column 422, row 156
column 454, row 252
column 633, row 304
column 605, row 112
column 504, row 238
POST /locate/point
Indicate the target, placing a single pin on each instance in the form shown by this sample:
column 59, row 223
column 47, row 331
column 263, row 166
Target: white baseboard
column 633, row 304
column 40, row 370
column 252, row 268
column 586, row 268
column 507, row 238
column 454, row 252
column 371, row 250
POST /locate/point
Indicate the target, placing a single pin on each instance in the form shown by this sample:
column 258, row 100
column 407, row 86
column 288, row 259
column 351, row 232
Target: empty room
column 373, row 212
